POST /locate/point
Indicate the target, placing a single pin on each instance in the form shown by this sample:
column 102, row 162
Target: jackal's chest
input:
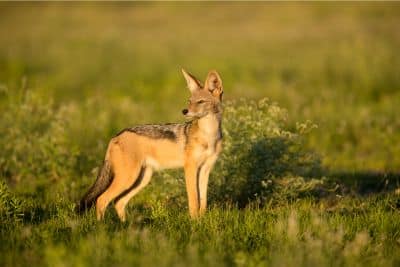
column 202, row 147
column 208, row 147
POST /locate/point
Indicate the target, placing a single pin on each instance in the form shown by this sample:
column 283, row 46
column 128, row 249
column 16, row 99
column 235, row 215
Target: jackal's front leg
column 204, row 173
column 191, row 171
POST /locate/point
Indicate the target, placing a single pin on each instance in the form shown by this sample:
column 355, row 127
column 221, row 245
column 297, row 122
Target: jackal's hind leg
column 124, row 177
column 139, row 184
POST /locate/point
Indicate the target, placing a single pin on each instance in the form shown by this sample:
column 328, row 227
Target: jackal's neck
column 211, row 125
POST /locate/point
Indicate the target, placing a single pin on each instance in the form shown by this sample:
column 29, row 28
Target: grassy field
column 310, row 172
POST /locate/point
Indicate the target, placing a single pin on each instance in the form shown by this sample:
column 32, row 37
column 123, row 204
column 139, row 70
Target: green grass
column 308, row 177
column 354, row 232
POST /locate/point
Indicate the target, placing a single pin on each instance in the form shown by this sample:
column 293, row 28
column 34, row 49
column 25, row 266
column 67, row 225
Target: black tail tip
column 82, row 207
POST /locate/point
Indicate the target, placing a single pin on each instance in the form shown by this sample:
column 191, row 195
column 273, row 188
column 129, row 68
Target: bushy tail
column 103, row 181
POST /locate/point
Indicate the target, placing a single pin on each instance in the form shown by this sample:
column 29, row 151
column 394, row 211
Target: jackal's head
column 205, row 99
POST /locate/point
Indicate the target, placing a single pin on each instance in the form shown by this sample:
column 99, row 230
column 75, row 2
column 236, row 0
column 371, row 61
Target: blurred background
column 113, row 65
column 309, row 177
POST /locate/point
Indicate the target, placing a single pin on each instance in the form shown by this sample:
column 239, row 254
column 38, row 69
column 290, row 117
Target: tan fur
column 136, row 153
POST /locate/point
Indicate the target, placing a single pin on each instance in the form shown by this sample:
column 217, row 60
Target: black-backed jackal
column 134, row 153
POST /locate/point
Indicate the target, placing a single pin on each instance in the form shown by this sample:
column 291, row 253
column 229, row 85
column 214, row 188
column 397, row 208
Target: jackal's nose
column 185, row 111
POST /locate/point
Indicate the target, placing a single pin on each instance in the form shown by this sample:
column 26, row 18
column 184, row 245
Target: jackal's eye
column 200, row 102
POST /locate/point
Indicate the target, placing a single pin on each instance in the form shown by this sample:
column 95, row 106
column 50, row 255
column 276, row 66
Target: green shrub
column 258, row 148
column 34, row 141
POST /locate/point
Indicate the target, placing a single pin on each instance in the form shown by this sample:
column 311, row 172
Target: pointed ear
column 192, row 83
column 214, row 84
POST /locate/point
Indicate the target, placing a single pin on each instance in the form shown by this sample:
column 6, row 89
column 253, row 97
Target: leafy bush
column 34, row 143
column 258, row 149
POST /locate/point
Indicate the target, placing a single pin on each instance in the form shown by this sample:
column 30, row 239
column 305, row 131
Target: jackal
column 134, row 153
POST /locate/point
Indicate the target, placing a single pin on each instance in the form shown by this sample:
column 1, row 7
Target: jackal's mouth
column 195, row 116
column 190, row 115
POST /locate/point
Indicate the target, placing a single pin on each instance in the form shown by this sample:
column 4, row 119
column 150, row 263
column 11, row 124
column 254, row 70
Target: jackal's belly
column 159, row 164
column 164, row 155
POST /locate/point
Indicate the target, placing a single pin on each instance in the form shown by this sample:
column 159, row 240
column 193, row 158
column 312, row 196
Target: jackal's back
column 168, row 131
